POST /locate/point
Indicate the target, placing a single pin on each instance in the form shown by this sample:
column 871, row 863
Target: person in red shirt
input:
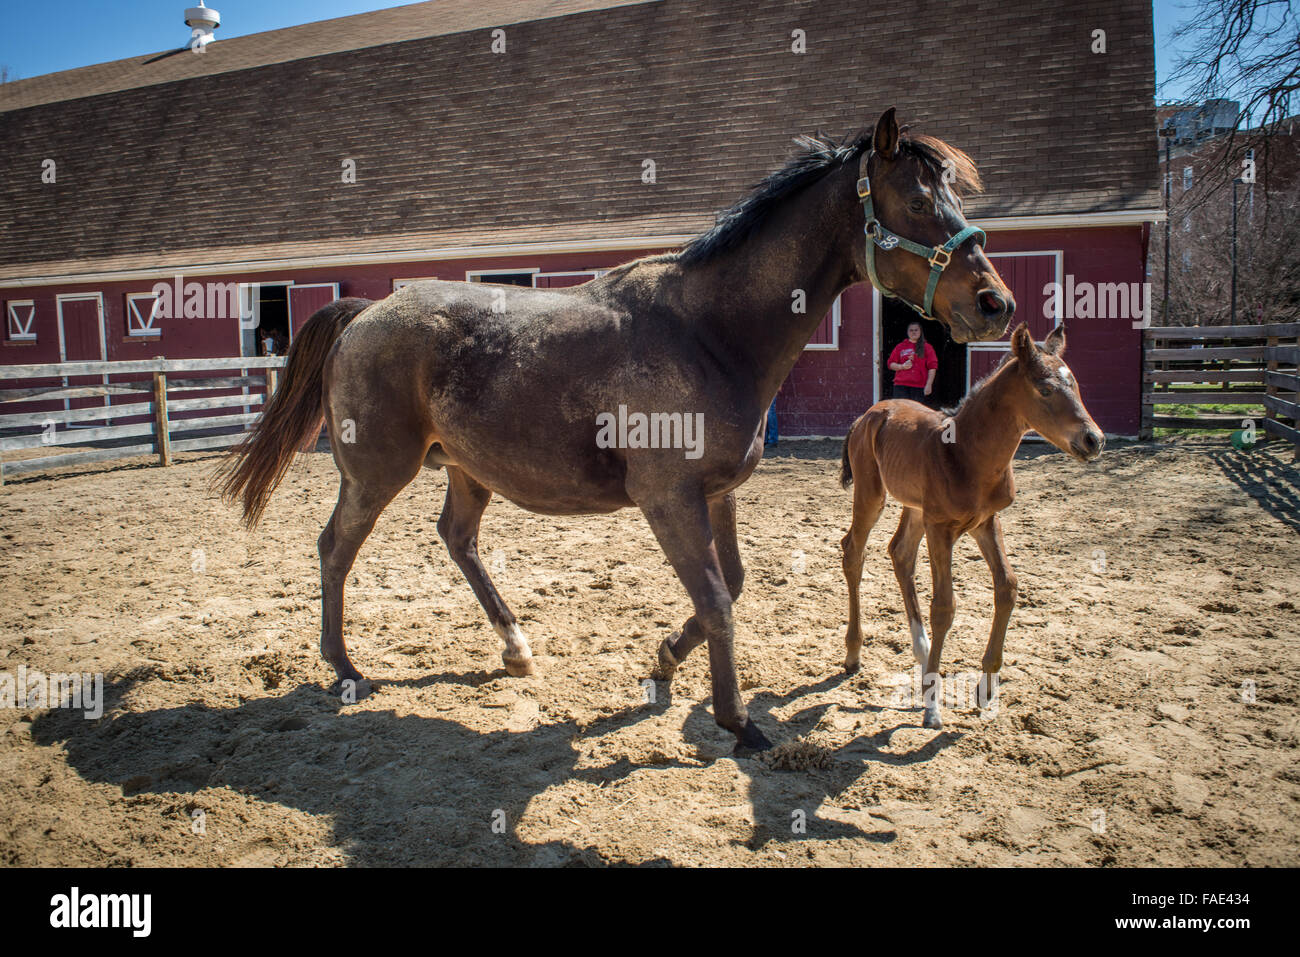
column 913, row 363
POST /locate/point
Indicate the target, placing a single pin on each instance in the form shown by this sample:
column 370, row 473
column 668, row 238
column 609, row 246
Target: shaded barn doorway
column 949, row 378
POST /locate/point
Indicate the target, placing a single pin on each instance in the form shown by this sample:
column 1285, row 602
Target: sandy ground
column 1156, row 586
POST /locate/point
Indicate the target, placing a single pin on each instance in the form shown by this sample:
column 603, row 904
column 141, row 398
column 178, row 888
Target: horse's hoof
column 750, row 741
column 931, row 720
column 851, row 667
column 667, row 666
column 352, row 690
column 518, row 667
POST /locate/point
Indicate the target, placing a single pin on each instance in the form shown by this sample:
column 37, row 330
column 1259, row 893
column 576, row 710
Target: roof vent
column 202, row 21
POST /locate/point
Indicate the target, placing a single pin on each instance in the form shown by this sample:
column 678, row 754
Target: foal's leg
column 902, row 552
column 722, row 517
column 868, row 502
column 683, row 530
column 458, row 528
column 988, row 535
column 939, row 540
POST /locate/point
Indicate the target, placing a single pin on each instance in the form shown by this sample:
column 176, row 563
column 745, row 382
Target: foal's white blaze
column 516, row 643
column 1066, row 374
column 920, row 643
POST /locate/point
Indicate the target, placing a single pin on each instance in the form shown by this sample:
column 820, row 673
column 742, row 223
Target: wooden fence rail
column 1255, row 365
column 151, row 406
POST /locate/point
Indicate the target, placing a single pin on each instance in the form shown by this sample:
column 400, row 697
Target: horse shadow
column 777, row 795
column 415, row 790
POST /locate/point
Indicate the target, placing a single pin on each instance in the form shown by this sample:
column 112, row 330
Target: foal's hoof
column 851, row 666
column 750, row 741
column 986, row 691
column 352, row 690
column 518, row 667
column 931, row 720
column 667, row 665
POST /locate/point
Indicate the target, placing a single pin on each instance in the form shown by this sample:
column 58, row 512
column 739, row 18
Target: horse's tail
column 255, row 466
column 846, row 467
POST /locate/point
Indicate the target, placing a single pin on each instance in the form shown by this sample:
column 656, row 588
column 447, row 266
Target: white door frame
column 98, row 298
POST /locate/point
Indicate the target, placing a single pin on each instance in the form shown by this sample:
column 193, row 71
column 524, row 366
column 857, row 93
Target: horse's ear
column 885, row 140
column 1054, row 344
column 1022, row 345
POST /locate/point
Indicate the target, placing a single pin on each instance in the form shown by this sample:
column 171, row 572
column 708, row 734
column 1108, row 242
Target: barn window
column 142, row 315
column 826, row 337
column 20, row 320
column 510, row 277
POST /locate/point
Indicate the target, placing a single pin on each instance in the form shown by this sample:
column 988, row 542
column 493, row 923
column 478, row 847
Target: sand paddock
column 1156, row 586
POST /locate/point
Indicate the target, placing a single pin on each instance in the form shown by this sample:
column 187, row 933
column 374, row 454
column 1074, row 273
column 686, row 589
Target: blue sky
column 44, row 36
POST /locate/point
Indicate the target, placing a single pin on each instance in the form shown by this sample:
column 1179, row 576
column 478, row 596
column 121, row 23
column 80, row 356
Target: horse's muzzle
column 1088, row 445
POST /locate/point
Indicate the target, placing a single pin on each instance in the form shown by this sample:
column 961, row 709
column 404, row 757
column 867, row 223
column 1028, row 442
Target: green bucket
column 1240, row 442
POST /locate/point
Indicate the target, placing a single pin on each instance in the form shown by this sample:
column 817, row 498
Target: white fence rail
column 202, row 420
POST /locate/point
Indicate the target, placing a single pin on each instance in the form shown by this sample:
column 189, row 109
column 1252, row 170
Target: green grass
column 1184, row 410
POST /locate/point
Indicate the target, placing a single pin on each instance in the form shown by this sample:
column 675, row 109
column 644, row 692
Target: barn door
column 81, row 339
column 305, row 300
column 1026, row 275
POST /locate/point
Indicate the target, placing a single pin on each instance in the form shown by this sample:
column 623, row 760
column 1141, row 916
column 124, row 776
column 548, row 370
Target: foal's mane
column 819, row 154
column 951, row 411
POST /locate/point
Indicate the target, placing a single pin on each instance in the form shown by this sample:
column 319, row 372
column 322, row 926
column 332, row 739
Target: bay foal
column 953, row 475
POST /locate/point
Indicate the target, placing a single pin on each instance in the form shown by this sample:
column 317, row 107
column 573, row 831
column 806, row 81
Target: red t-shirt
column 916, row 375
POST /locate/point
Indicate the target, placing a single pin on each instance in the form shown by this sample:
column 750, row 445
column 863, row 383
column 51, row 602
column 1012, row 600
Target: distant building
column 1204, row 157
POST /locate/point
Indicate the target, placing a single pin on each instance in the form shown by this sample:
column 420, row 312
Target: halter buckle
column 940, row 263
column 864, row 188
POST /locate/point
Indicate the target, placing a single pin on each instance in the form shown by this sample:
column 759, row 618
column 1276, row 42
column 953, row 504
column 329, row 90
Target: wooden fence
column 1212, row 365
column 174, row 405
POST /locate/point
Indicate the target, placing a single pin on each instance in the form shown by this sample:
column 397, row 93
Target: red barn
column 539, row 142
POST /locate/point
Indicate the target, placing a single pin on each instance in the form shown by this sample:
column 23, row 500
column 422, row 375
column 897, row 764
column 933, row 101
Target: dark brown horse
column 514, row 390
column 952, row 475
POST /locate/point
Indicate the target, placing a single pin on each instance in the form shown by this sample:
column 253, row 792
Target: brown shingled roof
column 452, row 141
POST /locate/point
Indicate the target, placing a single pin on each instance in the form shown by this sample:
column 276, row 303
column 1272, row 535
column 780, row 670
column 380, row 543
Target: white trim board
column 436, row 253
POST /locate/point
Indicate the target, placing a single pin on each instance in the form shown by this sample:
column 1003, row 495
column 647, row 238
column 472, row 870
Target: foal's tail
column 846, row 467
column 255, row 466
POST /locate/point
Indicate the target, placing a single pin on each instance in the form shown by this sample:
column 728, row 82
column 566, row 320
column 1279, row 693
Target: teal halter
column 877, row 235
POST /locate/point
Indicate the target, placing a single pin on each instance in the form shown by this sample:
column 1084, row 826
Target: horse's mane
column 818, row 154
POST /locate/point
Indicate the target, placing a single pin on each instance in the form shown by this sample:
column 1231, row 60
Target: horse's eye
column 1044, row 390
column 918, row 206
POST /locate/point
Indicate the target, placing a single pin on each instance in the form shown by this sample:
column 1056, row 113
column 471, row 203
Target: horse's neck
column 989, row 427
column 802, row 255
